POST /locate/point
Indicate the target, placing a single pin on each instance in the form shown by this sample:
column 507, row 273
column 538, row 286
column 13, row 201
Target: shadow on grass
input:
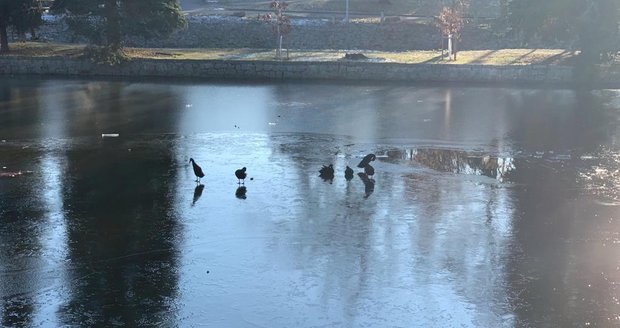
column 516, row 60
column 561, row 58
column 40, row 49
column 435, row 59
column 241, row 54
column 479, row 60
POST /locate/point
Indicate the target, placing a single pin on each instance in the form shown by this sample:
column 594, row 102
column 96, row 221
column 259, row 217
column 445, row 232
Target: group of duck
column 326, row 173
column 240, row 173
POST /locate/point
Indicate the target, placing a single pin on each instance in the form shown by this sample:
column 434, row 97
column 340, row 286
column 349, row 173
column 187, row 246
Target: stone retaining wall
column 342, row 70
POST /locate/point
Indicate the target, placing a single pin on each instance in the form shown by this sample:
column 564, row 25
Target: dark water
column 490, row 207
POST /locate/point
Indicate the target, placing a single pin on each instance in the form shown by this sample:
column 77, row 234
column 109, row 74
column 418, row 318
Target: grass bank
column 501, row 57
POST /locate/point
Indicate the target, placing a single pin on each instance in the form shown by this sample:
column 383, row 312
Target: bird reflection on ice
column 197, row 193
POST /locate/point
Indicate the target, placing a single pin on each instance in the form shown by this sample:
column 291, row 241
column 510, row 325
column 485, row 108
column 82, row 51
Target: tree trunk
column 280, row 47
column 450, row 46
column 4, row 39
column 278, row 42
column 113, row 24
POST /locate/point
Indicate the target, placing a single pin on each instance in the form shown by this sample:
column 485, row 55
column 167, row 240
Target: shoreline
column 293, row 70
column 509, row 66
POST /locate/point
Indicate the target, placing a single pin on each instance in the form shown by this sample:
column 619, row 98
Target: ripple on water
column 600, row 177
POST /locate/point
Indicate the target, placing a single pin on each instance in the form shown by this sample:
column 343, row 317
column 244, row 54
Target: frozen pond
column 490, row 207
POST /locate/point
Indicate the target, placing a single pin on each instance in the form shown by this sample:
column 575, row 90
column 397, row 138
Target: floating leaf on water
column 10, row 174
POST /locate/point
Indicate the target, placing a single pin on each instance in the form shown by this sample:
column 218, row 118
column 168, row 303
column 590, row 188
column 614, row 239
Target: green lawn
column 478, row 57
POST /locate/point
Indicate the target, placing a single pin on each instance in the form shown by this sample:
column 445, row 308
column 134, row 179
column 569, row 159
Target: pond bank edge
column 285, row 70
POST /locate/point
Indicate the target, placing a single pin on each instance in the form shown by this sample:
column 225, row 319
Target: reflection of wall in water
column 460, row 162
